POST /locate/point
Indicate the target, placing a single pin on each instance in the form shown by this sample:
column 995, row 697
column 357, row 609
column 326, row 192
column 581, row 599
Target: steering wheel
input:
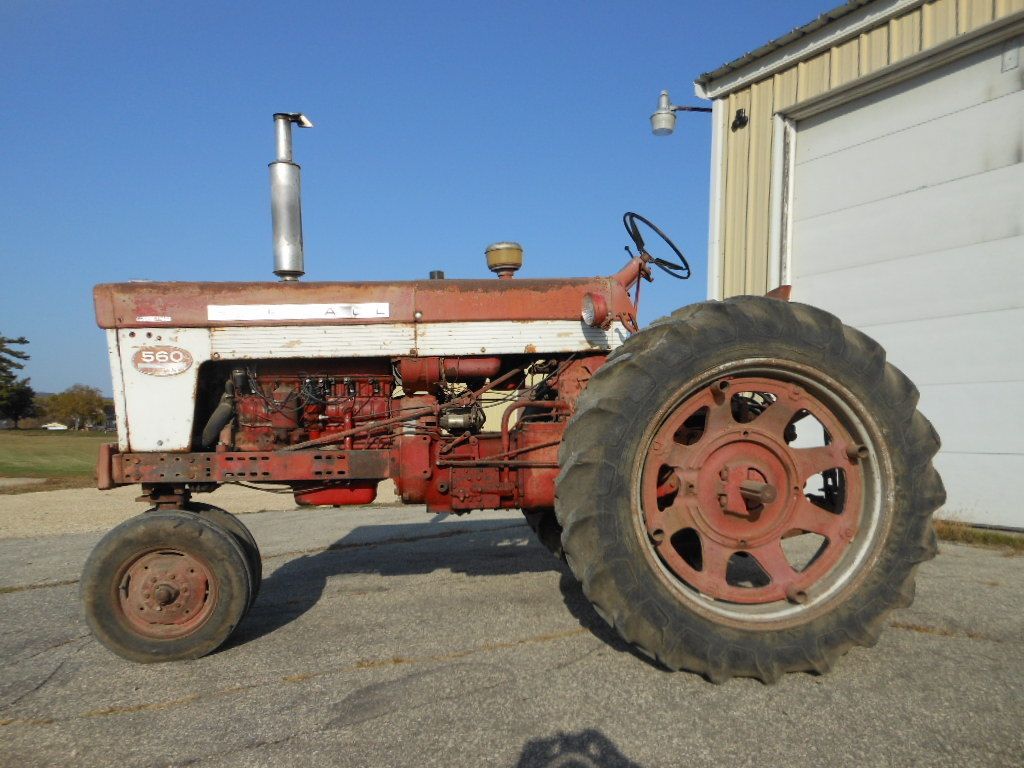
column 680, row 270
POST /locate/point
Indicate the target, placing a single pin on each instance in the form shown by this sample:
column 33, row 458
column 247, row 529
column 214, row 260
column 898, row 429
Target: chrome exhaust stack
column 286, row 199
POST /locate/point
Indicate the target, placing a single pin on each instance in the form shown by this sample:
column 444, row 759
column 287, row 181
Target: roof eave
column 827, row 30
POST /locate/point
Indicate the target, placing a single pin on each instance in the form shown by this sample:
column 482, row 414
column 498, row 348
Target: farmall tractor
column 743, row 488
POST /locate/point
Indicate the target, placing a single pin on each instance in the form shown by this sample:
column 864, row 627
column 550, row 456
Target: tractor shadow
column 586, row 749
column 473, row 548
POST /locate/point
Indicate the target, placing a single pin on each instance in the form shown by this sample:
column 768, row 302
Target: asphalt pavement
column 386, row 637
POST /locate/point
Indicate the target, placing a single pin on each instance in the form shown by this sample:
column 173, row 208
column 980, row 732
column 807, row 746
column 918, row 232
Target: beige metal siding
column 938, row 21
column 845, row 63
column 737, row 155
column 874, row 50
column 972, row 14
column 814, row 76
column 762, row 98
column 745, row 173
column 905, row 35
column 1006, row 7
column 785, row 88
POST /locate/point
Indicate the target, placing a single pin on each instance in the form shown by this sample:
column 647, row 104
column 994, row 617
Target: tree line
column 77, row 406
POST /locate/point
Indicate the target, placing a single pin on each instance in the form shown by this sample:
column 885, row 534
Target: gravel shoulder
column 84, row 510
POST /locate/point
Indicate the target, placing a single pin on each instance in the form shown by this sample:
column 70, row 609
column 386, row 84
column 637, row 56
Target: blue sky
column 136, row 138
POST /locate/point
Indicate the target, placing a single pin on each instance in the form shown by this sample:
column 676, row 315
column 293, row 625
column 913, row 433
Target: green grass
column 962, row 533
column 39, row 453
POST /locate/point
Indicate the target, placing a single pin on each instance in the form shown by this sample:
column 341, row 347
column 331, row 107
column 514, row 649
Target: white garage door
column 908, row 222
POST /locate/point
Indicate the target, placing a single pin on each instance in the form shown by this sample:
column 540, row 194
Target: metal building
column 874, row 160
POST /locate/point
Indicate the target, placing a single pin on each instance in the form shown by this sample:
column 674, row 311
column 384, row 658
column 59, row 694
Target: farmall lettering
column 723, row 481
column 162, row 360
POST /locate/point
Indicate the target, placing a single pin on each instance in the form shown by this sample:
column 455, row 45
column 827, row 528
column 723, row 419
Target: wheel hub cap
column 166, row 594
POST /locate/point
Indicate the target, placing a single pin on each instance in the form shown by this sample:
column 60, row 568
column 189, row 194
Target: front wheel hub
column 166, row 594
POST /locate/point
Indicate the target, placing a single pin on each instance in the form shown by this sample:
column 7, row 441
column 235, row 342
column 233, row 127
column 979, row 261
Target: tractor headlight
column 595, row 310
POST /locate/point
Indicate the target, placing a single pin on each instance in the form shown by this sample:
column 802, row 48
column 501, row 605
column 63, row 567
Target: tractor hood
column 207, row 305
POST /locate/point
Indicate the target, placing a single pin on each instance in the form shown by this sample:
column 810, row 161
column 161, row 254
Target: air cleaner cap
column 504, row 258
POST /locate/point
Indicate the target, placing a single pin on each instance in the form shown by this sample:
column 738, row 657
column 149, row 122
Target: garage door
column 908, row 222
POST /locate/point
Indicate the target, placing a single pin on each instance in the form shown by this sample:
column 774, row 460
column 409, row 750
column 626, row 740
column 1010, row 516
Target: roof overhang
column 829, row 29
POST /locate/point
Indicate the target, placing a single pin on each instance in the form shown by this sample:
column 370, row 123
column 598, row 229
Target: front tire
column 242, row 535
column 690, row 481
column 165, row 586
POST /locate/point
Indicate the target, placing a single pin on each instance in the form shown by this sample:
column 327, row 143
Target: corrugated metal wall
column 745, row 176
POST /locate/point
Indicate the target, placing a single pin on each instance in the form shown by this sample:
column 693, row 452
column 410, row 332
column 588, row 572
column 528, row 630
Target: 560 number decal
column 162, row 361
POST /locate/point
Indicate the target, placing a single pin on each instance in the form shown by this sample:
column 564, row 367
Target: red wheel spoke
column 675, row 518
column 677, row 455
column 714, row 560
column 814, row 461
column 812, row 518
column 778, row 415
column 773, row 561
column 719, row 417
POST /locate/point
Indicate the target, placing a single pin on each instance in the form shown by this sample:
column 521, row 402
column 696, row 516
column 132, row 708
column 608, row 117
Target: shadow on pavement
column 475, row 548
column 586, row 749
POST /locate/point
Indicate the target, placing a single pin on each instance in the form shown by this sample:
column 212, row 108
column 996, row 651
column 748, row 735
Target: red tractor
column 744, row 488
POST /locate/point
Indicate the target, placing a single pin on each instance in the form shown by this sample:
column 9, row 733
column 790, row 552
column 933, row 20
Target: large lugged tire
column 746, row 489
column 164, row 586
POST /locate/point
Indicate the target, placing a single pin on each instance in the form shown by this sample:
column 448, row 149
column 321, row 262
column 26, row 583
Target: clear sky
column 136, row 137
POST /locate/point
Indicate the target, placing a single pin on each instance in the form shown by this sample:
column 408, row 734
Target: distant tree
column 10, row 357
column 17, row 401
column 12, row 389
column 78, row 406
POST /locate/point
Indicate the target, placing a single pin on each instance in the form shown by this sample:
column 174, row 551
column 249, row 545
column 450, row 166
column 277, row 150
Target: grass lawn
column 39, row 453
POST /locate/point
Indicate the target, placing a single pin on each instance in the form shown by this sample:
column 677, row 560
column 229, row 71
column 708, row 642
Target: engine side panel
column 158, row 399
column 159, row 371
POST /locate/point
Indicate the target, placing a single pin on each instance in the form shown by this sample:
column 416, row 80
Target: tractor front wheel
column 746, row 489
column 164, row 586
column 242, row 535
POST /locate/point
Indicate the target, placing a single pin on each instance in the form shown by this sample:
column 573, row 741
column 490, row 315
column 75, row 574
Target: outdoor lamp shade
column 663, row 121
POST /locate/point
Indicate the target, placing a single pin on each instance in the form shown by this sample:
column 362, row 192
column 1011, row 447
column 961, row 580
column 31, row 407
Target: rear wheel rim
column 166, row 594
column 722, row 493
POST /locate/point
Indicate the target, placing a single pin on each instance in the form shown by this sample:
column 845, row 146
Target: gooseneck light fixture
column 663, row 121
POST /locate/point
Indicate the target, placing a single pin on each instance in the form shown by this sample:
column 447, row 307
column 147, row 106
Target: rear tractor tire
column 746, row 489
column 166, row 586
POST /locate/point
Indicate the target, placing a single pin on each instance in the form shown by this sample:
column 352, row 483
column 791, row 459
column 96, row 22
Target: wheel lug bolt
column 723, row 501
column 657, row 536
column 724, row 474
column 857, row 453
column 797, row 596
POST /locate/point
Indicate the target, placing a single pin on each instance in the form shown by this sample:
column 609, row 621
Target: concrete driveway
column 383, row 637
